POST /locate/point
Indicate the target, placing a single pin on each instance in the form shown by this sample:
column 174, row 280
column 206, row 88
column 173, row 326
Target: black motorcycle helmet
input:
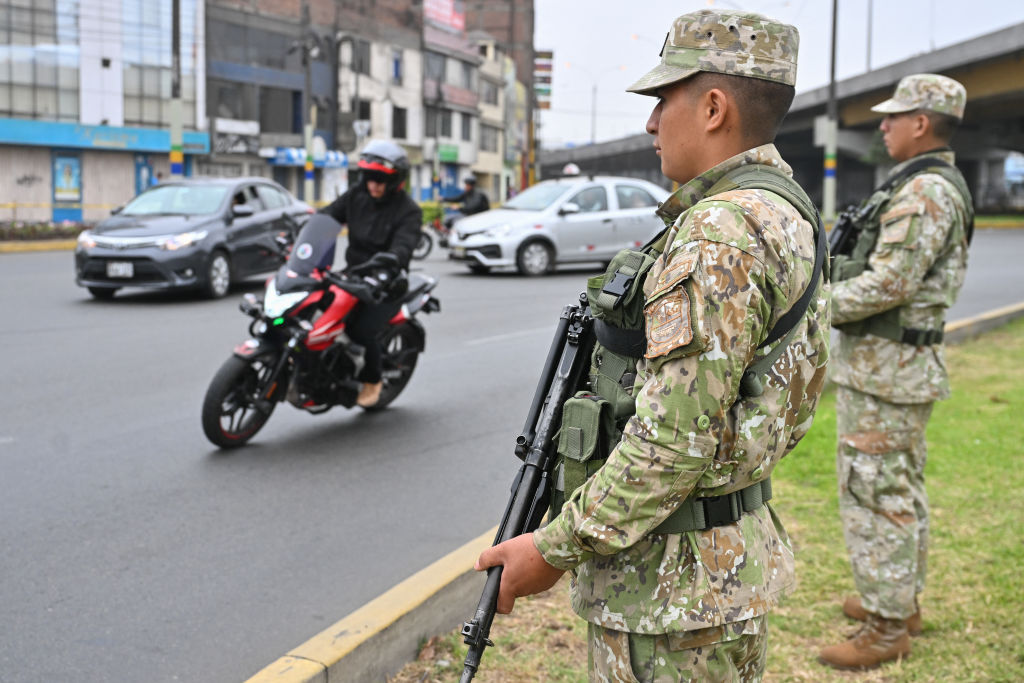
column 385, row 162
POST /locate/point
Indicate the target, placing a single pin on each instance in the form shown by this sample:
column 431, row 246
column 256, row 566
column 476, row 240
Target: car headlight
column 86, row 240
column 185, row 239
column 499, row 230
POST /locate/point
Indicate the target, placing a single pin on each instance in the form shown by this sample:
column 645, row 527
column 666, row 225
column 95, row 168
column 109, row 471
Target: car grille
column 95, row 270
column 124, row 242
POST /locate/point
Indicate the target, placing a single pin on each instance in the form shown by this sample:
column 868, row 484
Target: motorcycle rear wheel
column 400, row 352
column 230, row 414
column 423, row 246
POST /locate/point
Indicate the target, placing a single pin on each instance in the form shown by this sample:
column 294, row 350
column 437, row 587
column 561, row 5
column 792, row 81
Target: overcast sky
column 613, row 43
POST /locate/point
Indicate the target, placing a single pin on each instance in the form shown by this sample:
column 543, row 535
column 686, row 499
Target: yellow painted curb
column 307, row 662
column 37, row 245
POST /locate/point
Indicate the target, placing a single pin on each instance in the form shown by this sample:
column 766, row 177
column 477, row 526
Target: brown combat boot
column 879, row 640
column 853, row 608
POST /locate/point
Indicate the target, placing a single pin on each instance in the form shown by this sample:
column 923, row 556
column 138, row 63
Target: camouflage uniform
column 886, row 387
column 691, row 605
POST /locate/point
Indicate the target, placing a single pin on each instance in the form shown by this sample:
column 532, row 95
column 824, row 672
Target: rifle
column 567, row 360
column 843, row 235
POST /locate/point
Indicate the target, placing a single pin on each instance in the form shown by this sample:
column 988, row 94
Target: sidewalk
column 378, row 639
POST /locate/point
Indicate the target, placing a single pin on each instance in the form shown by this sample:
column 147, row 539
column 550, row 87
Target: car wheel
column 102, row 293
column 479, row 269
column 218, row 275
column 535, row 258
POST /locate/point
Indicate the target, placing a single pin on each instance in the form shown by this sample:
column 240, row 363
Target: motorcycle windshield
column 315, row 245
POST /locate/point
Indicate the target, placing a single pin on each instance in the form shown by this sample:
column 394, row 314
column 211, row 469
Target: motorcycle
column 299, row 352
column 438, row 229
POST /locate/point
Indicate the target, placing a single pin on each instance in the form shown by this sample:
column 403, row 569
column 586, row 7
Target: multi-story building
column 363, row 68
column 489, row 168
column 85, row 90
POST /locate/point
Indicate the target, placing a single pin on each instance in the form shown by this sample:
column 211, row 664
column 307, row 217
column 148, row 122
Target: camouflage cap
column 926, row 91
column 738, row 43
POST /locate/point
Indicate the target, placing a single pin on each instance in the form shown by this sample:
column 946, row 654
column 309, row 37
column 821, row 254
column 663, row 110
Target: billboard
column 447, row 13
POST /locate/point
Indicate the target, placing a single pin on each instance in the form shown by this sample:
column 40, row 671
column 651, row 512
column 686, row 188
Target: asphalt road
column 132, row 550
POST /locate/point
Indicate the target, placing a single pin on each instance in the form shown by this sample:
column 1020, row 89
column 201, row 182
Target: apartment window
column 361, row 56
column 146, row 63
column 396, row 67
column 467, row 127
column 435, row 67
column 489, row 92
column 39, row 60
column 467, row 76
column 446, row 123
column 361, row 109
column 398, row 123
column 489, row 138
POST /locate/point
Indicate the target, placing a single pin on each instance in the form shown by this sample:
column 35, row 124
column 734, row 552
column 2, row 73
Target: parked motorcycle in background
column 299, row 352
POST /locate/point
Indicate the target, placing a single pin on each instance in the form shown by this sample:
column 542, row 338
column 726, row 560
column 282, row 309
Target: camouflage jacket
column 918, row 266
column 734, row 264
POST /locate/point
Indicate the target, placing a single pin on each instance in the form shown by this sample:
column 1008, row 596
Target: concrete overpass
column 991, row 67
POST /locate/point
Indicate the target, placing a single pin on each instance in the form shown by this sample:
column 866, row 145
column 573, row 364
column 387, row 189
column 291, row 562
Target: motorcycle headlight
column 86, row 240
column 276, row 304
column 499, row 230
column 185, row 239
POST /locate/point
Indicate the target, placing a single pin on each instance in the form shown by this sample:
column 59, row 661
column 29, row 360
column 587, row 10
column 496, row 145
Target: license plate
column 460, row 251
column 121, row 269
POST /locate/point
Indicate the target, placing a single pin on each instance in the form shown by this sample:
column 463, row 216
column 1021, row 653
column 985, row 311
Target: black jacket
column 392, row 225
column 473, row 201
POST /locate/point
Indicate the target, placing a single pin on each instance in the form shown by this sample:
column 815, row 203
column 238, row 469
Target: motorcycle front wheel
column 231, row 415
column 400, row 351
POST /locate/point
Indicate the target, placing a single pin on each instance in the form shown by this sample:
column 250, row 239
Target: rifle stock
column 568, row 359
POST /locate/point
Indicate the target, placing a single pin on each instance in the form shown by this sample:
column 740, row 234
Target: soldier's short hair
column 762, row 104
column 944, row 126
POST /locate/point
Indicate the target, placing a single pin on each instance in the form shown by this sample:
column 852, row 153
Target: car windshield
column 187, row 200
column 538, row 197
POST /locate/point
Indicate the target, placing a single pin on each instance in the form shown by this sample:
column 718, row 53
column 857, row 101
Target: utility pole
column 177, row 157
column 831, row 133
column 308, row 115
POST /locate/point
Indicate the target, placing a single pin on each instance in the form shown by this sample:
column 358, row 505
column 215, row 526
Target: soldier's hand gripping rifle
column 568, row 359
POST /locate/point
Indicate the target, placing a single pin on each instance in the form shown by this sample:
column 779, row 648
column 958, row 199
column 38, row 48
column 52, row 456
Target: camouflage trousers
column 734, row 652
column 883, row 506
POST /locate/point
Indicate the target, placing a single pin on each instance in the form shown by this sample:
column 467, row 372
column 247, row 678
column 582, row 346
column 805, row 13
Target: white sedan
column 567, row 220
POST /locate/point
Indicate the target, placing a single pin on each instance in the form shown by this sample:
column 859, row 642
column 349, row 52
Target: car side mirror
column 241, row 210
column 569, row 207
column 116, row 210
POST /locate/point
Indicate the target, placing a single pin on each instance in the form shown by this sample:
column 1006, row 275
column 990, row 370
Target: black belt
column 701, row 514
column 921, row 337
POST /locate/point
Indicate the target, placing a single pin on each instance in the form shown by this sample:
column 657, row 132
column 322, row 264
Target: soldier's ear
column 922, row 125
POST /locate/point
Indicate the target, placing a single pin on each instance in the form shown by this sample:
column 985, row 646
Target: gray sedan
column 201, row 233
column 567, row 220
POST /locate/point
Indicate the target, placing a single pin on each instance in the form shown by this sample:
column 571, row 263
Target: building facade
column 85, row 90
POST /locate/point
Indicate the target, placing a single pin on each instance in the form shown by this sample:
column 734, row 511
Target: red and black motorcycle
column 299, row 351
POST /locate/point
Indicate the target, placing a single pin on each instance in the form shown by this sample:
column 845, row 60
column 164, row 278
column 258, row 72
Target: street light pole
column 307, row 107
column 828, row 199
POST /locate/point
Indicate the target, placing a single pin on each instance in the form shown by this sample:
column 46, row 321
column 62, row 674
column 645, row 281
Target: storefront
column 74, row 172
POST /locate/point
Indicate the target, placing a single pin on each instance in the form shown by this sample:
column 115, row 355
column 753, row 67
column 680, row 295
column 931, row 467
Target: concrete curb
column 961, row 330
column 385, row 634
column 381, row 637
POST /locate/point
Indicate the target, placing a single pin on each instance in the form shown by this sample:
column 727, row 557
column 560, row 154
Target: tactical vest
column 867, row 217
column 594, row 418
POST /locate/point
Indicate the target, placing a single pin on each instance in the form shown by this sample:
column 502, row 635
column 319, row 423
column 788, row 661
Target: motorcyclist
column 381, row 219
column 472, row 199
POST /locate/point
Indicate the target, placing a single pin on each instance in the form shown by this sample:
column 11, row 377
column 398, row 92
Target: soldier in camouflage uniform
column 693, row 605
column 889, row 367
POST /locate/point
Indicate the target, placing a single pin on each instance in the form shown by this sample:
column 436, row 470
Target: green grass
column 973, row 605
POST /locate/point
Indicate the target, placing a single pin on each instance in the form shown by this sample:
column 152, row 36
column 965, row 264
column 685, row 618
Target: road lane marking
column 507, row 335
